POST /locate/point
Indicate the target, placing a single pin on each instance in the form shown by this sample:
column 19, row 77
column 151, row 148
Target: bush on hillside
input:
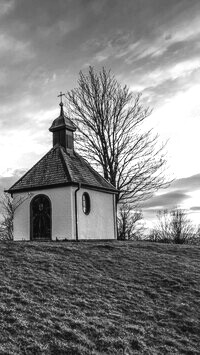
column 174, row 226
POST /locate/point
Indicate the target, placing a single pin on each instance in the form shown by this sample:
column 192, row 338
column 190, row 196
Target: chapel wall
column 62, row 216
column 100, row 223
column 21, row 222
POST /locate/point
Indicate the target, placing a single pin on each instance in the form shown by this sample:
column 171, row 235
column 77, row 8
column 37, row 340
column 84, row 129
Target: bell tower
column 63, row 130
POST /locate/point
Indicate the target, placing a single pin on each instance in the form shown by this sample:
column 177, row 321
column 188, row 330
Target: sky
column 153, row 46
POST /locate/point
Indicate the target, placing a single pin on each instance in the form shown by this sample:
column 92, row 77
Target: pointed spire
column 61, row 95
column 61, row 104
column 61, row 109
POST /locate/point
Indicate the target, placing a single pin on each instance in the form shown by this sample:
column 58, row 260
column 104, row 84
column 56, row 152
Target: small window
column 86, row 203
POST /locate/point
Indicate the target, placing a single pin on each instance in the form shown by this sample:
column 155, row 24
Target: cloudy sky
column 151, row 45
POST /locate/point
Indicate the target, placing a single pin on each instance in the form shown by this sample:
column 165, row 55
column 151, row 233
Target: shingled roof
column 59, row 168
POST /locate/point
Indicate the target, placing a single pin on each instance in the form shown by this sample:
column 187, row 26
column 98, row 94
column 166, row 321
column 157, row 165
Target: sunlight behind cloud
column 183, row 68
column 179, row 121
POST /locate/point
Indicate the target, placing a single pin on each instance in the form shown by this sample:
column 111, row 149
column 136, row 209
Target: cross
column 61, row 95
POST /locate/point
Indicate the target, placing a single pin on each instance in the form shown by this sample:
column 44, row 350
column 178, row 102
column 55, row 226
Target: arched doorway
column 40, row 218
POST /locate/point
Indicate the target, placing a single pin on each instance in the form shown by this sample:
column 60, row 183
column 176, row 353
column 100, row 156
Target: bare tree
column 7, row 210
column 8, row 207
column 128, row 228
column 173, row 227
column 109, row 119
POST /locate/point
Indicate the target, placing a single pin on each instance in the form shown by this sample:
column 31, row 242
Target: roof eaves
column 41, row 187
column 98, row 188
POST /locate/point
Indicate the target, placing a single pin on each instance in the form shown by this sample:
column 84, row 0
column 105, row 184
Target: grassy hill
column 99, row 298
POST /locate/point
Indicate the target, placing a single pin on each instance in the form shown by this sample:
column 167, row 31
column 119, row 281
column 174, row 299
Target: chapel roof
column 59, row 168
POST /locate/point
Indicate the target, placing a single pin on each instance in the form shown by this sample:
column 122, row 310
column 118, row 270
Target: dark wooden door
column 40, row 218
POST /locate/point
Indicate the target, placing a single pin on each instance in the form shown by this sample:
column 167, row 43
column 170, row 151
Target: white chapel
column 62, row 196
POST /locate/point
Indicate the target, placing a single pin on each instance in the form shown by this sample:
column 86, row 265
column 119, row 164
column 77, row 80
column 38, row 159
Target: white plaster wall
column 62, row 216
column 100, row 223
column 21, row 217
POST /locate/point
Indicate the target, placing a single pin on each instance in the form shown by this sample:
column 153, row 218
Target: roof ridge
column 44, row 156
column 66, row 168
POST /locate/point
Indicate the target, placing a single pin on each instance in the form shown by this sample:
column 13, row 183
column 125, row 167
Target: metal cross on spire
column 61, row 95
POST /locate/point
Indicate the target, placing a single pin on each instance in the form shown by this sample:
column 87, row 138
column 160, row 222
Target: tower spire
column 63, row 129
column 61, row 103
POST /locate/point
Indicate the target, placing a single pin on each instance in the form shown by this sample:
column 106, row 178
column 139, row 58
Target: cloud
column 183, row 193
column 97, row 6
column 166, row 200
column 176, row 192
column 58, row 31
column 195, row 208
column 191, row 183
column 106, row 47
column 173, row 71
column 13, row 50
column 162, row 60
column 163, row 87
column 6, row 7
column 151, row 33
column 160, row 71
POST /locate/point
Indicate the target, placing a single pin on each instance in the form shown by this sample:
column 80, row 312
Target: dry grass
column 99, row 298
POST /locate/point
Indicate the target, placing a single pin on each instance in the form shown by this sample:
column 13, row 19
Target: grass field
column 99, row 298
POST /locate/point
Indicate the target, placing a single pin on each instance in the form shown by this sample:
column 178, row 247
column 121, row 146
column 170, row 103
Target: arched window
column 40, row 213
column 86, row 203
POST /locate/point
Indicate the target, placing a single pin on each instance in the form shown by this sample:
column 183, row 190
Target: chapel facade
column 62, row 196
